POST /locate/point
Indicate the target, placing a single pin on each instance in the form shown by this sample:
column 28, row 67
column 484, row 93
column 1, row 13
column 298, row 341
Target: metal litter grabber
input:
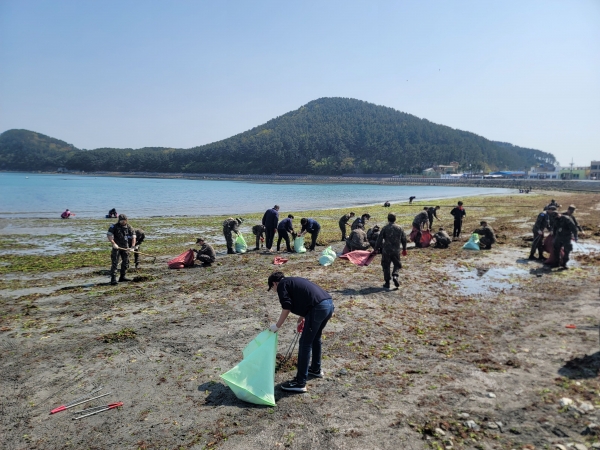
column 96, row 410
column 139, row 253
column 78, row 401
column 290, row 350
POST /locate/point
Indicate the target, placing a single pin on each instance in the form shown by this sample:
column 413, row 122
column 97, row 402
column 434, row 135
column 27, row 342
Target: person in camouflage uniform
column 344, row 223
column 231, row 226
column 442, row 239
column 361, row 220
column 487, row 235
column 541, row 224
column 373, row 234
column 388, row 243
column 357, row 239
column 570, row 212
column 206, row 254
column 564, row 230
column 431, row 213
column 122, row 237
column 139, row 238
column 258, row 231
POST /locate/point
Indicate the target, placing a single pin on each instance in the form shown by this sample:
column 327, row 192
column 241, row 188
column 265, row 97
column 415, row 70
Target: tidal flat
column 471, row 352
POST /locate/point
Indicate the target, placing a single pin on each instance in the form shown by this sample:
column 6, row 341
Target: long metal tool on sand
column 78, row 401
column 96, row 410
column 139, row 253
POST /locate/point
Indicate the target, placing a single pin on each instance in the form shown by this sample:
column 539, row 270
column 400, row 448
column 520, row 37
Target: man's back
column 391, row 237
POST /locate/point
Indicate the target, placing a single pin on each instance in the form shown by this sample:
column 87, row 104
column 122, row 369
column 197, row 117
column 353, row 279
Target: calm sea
column 47, row 196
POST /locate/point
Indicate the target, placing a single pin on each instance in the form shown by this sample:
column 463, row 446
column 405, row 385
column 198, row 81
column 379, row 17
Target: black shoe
column 206, row 264
column 343, row 240
column 230, row 252
column 386, row 285
column 531, row 257
column 396, row 282
column 319, row 374
column 113, row 281
column 256, row 248
column 293, row 386
column 123, row 278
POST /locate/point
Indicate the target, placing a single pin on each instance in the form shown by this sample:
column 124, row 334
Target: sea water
column 25, row 195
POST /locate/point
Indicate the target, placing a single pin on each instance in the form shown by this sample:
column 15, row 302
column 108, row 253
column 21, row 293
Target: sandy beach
column 473, row 350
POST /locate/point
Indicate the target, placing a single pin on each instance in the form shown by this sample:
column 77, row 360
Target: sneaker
column 319, row 374
column 396, row 282
column 386, row 285
column 293, row 386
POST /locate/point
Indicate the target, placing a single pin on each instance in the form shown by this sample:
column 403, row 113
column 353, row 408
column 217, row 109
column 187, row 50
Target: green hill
column 325, row 136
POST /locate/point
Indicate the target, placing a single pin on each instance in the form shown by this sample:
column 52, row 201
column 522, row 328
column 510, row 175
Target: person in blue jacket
column 312, row 227
column 313, row 306
column 284, row 229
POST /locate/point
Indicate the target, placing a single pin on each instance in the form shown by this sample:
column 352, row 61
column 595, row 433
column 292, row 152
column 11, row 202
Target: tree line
column 328, row 136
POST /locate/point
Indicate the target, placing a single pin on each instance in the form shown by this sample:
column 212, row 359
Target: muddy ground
column 471, row 352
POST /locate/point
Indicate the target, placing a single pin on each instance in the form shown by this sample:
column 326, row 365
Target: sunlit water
column 48, row 195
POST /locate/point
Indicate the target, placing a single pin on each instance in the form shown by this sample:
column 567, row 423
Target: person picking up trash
column 314, row 306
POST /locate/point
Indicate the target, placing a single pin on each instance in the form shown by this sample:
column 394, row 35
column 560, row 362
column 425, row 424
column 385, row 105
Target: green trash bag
column 253, row 379
column 299, row 245
column 240, row 244
column 472, row 243
column 327, row 257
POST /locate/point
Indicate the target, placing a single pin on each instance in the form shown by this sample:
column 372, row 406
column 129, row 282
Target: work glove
column 540, row 232
column 274, row 328
column 115, row 246
column 300, row 326
column 404, row 253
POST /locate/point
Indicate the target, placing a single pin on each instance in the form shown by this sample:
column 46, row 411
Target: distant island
column 328, row 136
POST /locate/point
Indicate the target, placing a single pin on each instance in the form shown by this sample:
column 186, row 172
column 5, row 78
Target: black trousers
column 114, row 257
column 537, row 245
column 343, row 230
column 269, row 236
column 258, row 236
column 386, row 260
column 457, row 228
column 314, row 235
column 286, row 237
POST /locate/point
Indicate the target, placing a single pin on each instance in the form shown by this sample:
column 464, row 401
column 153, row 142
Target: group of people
column 271, row 226
column 563, row 228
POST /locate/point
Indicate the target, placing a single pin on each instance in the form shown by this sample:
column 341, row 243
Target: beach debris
column 96, row 410
column 572, row 326
column 491, row 395
column 565, row 401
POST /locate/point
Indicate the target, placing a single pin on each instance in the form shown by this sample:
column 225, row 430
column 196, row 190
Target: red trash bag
column 548, row 246
column 426, row 238
column 186, row 259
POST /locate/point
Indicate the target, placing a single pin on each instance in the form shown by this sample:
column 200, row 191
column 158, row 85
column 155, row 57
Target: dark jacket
column 458, row 213
column 299, row 295
column 310, row 226
column 207, row 250
column 390, row 238
column 487, row 232
column 271, row 219
column 564, row 228
column 420, row 219
column 122, row 235
column 286, row 225
column 542, row 222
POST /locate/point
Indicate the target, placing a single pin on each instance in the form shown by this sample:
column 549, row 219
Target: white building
column 539, row 173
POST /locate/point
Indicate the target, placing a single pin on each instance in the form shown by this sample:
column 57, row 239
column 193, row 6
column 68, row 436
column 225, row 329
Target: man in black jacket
column 459, row 214
column 270, row 220
column 314, row 306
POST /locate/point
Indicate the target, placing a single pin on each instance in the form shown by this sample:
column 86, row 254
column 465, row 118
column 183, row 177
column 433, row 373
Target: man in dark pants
column 542, row 223
column 487, row 237
column 206, row 255
column 431, row 213
column 312, row 227
column 420, row 223
column 270, row 220
column 284, row 229
column 459, row 214
column 314, row 306
column 564, row 230
column 410, row 199
column 344, row 223
column 570, row 212
column 231, row 226
column 373, row 235
column 388, row 243
column 121, row 236
column 258, row 231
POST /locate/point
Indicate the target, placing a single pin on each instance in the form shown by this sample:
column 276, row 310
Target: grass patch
column 118, row 336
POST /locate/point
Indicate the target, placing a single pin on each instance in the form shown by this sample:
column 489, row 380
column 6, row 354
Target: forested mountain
column 325, row 136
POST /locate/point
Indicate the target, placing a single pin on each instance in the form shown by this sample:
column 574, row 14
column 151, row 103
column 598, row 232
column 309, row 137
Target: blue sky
column 186, row 73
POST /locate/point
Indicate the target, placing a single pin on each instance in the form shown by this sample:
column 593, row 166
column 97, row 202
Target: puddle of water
column 485, row 280
column 586, row 248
